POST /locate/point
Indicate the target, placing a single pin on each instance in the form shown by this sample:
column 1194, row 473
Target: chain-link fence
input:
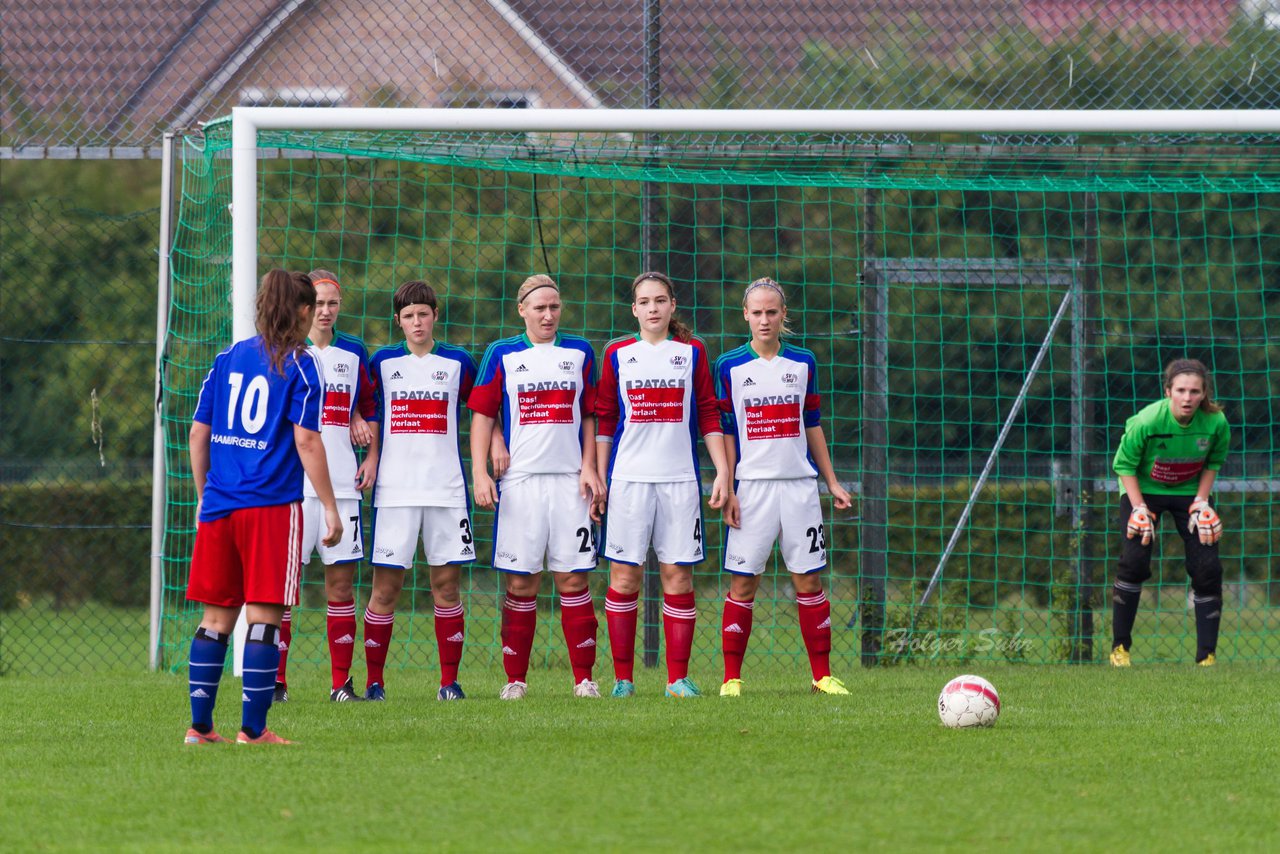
column 77, row 349
column 100, row 79
column 112, row 74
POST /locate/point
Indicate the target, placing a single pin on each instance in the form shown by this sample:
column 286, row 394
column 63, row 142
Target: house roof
column 112, row 72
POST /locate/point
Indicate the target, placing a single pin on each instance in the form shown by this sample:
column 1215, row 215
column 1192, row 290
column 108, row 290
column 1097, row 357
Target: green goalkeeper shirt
column 1167, row 457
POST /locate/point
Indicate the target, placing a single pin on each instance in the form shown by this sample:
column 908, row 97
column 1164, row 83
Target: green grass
column 1082, row 759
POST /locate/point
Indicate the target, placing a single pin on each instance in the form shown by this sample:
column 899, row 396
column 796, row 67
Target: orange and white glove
column 1142, row 524
column 1205, row 521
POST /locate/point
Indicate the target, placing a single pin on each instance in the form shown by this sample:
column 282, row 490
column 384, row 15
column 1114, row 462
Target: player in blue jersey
column 768, row 394
column 540, row 386
column 656, row 396
column 349, row 407
column 255, row 430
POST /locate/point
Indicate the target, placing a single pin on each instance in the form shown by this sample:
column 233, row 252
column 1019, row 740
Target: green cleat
column 1207, row 661
column 829, row 685
column 623, row 688
column 731, row 688
column 1120, row 657
column 683, row 688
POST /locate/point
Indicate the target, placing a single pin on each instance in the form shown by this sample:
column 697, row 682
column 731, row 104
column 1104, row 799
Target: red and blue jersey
column 251, row 410
column 766, row 405
column 652, row 403
column 420, row 399
column 344, row 371
column 541, row 393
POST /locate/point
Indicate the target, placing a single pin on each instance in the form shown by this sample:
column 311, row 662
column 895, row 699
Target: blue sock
column 261, row 660
column 208, row 652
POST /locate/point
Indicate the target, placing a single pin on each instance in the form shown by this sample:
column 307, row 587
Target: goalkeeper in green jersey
column 1167, row 461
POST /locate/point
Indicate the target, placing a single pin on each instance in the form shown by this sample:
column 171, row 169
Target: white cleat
column 513, row 691
column 586, row 688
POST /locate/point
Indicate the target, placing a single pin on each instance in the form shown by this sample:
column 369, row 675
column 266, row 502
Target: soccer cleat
column 829, row 685
column 731, row 688
column 452, row 691
column 1120, row 657
column 586, row 688
column 194, row 736
column 280, row 694
column 346, row 693
column 264, row 737
column 513, row 691
column 623, row 688
column 683, row 688
column 1207, row 661
column 375, row 693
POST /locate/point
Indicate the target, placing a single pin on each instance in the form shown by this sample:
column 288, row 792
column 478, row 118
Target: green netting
column 928, row 275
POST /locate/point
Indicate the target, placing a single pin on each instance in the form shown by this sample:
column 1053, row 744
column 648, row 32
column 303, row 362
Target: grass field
column 1082, row 759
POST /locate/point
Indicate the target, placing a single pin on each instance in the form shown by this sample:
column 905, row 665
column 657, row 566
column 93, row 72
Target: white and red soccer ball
column 968, row 701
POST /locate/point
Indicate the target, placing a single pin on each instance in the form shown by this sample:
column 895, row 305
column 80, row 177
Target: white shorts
column 542, row 515
column 669, row 513
column 349, row 549
column 784, row 510
column 446, row 536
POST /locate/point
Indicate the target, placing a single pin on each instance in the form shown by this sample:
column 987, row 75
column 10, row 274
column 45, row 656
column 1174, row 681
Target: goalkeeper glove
column 1142, row 524
column 1205, row 521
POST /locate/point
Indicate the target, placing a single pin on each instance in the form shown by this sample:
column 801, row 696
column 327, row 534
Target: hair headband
column 537, row 287
column 326, row 282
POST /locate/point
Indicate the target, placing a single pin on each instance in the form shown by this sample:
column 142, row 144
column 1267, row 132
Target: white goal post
column 246, row 122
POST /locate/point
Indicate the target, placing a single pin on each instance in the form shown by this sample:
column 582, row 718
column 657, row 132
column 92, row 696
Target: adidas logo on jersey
column 199, row 694
column 395, row 375
column 587, row 644
column 372, row 644
column 355, row 550
column 456, row 637
column 506, row 650
column 466, row 550
column 282, row 646
column 345, row 639
column 631, row 361
column 748, row 381
column 825, row 624
column 733, row 628
column 521, row 368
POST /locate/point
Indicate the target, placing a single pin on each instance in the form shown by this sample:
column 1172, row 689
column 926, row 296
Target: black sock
column 1208, row 616
column 1124, row 599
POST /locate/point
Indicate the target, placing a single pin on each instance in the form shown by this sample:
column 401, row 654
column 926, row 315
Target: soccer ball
column 968, row 701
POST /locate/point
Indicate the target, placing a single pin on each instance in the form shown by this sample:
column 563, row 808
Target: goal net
column 986, row 310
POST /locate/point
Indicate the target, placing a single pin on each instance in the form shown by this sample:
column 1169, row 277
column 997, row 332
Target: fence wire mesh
column 105, row 77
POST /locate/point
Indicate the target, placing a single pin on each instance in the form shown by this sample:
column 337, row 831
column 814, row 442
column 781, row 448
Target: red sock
column 286, row 635
column 620, row 612
column 450, row 632
column 377, row 637
column 815, row 628
column 341, row 630
column 734, row 634
column 519, row 622
column 678, row 617
column 578, row 619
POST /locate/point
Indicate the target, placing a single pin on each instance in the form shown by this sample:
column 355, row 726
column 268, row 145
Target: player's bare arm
column 367, row 473
column 722, row 486
column 731, row 512
column 590, row 484
column 499, row 455
column 817, row 441
column 362, row 434
column 198, row 447
column 314, row 462
column 486, row 493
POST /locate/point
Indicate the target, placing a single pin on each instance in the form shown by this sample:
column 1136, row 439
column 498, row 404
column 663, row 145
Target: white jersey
column 653, row 402
column 540, row 392
column 344, row 371
column 766, row 405
column 420, row 399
